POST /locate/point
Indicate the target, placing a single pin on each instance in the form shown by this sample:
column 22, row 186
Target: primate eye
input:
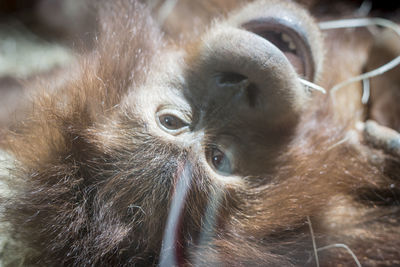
column 220, row 162
column 171, row 123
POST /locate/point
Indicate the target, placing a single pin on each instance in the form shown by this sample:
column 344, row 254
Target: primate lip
column 287, row 37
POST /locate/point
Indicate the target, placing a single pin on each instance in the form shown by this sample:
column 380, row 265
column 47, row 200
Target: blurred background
column 37, row 38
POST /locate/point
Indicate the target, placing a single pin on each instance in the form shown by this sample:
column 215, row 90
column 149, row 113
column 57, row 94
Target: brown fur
column 93, row 184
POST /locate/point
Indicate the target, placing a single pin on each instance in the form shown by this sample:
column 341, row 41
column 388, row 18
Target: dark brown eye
column 220, row 162
column 171, row 122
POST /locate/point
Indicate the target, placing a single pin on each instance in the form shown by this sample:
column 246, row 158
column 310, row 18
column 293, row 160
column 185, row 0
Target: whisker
column 313, row 241
column 366, row 91
column 357, row 23
column 346, row 248
column 312, row 86
column 208, row 229
column 168, row 255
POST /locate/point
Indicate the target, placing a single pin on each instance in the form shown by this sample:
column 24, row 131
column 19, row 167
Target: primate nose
column 235, row 62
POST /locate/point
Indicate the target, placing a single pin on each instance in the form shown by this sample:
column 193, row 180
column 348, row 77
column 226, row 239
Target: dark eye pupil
column 171, row 122
column 217, row 160
column 220, row 162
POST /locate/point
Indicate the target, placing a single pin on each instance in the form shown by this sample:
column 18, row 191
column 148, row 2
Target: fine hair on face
column 192, row 133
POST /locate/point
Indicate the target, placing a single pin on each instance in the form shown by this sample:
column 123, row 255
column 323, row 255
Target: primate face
column 220, row 113
column 205, row 151
column 233, row 98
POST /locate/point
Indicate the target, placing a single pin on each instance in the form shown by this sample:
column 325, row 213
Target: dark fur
column 83, row 160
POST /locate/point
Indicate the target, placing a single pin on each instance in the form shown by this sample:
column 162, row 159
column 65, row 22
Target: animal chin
column 289, row 38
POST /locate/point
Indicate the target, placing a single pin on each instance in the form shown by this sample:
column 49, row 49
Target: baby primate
column 207, row 150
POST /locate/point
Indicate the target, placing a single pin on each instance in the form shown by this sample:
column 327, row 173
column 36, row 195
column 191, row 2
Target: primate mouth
column 289, row 38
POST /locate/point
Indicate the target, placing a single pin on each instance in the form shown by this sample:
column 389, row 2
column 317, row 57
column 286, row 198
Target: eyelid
column 184, row 115
column 174, row 112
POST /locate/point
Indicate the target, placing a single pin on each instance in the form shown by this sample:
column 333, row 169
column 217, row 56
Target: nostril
column 252, row 95
column 241, row 85
column 230, row 79
column 250, row 75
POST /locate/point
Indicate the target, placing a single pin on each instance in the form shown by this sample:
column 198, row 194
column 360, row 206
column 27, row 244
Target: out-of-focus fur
column 91, row 182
